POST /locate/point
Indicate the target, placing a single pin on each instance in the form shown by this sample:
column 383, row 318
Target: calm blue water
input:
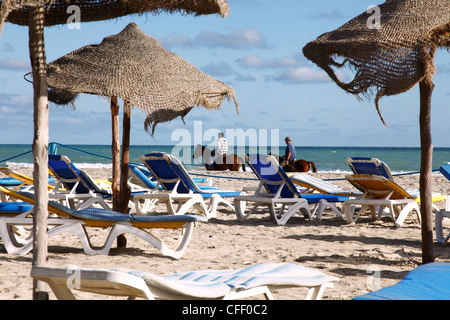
column 325, row 158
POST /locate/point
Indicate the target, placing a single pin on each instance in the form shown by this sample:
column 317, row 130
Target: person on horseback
column 221, row 149
column 289, row 155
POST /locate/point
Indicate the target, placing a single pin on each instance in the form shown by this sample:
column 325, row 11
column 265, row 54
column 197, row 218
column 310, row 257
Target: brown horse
column 298, row 166
column 229, row 161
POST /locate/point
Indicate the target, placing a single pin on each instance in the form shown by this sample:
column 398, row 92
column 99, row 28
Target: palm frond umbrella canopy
column 391, row 58
column 39, row 13
column 17, row 11
column 136, row 68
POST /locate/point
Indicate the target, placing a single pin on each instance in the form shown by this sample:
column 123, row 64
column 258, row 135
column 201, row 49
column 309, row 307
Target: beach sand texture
column 356, row 254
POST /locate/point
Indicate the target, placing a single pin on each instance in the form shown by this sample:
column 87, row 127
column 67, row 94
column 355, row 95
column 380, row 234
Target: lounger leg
column 240, row 207
column 349, row 212
column 322, row 205
column 405, row 211
column 301, row 207
column 214, row 201
column 176, row 252
column 10, row 242
column 61, row 292
column 316, row 293
column 439, row 217
column 185, row 206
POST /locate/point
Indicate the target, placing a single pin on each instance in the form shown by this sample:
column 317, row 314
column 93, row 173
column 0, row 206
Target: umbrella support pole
column 115, row 151
column 40, row 144
column 426, row 89
column 125, row 192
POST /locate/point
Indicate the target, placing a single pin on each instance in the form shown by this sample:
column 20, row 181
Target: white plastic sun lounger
column 204, row 284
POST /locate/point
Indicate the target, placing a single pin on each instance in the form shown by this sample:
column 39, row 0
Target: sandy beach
column 353, row 253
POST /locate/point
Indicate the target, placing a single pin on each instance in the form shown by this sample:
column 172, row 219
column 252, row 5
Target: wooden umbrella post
column 115, row 150
column 40, row 144
column 426, row 89
column 125, row 192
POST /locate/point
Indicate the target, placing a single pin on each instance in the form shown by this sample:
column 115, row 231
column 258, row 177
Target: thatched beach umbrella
column 391, row 57
column 39, row 13
column 136, row 68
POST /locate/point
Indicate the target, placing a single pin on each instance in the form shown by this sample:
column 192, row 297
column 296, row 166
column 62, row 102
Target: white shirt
column 222, row 146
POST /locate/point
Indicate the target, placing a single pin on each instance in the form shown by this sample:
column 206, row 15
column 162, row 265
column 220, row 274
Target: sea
column 326, row 159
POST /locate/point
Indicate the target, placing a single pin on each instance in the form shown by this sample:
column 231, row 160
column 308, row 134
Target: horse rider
column 221, row 149
column 289, row 154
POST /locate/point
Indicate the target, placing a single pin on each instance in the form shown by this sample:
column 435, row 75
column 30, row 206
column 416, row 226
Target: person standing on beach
column 289, row 154
column 221, row 149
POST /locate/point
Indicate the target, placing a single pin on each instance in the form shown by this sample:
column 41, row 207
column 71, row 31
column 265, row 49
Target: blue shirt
column 290, row 148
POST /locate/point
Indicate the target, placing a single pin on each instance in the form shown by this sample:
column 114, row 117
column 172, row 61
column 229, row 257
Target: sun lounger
column 18, row 180
column 76, row 222
column 381, row 193
column 430, row 281
column 313, row 184
column 361, row 165
column 142, row 177
column 377, row 167
column 442, row 215
column 179, row 187
column 76, row 187
column 277, row 191
column 14, row 208
column 204, row 284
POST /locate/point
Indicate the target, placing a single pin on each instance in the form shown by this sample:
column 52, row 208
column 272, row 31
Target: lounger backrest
column 271, row 174
column 445, row 170
column 142, row 176
column 361, row 165
column 65, row 171
column 378, row 187
column 179, row 169
column 159, row 164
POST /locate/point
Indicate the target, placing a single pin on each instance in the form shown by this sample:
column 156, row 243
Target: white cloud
column 175, row 39
column 254, row 61
column 15, row 64
column 239, row 39
column 303, row 74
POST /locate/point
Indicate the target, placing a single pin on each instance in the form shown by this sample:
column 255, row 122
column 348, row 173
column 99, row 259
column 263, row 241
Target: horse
column 298, row 166
column 228, row 162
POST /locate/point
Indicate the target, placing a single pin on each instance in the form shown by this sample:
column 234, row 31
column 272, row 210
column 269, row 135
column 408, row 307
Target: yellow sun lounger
column 27, row 182
column 76, row 221
column 382, row 193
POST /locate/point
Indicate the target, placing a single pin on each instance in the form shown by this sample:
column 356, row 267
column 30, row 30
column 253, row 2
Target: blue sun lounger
column 427, row 282
column 441, row 214
column 68, row 220
column 76, row 184
column 276, row 189
column 14, row 208
column 145, row 178
column 180, row 187
column 363, row 165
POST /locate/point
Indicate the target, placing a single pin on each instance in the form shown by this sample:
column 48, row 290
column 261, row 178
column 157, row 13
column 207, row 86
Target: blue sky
column 257, row 50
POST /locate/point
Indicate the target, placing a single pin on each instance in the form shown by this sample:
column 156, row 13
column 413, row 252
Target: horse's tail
column 313, row 166
column 242, row 163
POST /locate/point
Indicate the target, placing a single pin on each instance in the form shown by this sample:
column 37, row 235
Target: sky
column 257, row 50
